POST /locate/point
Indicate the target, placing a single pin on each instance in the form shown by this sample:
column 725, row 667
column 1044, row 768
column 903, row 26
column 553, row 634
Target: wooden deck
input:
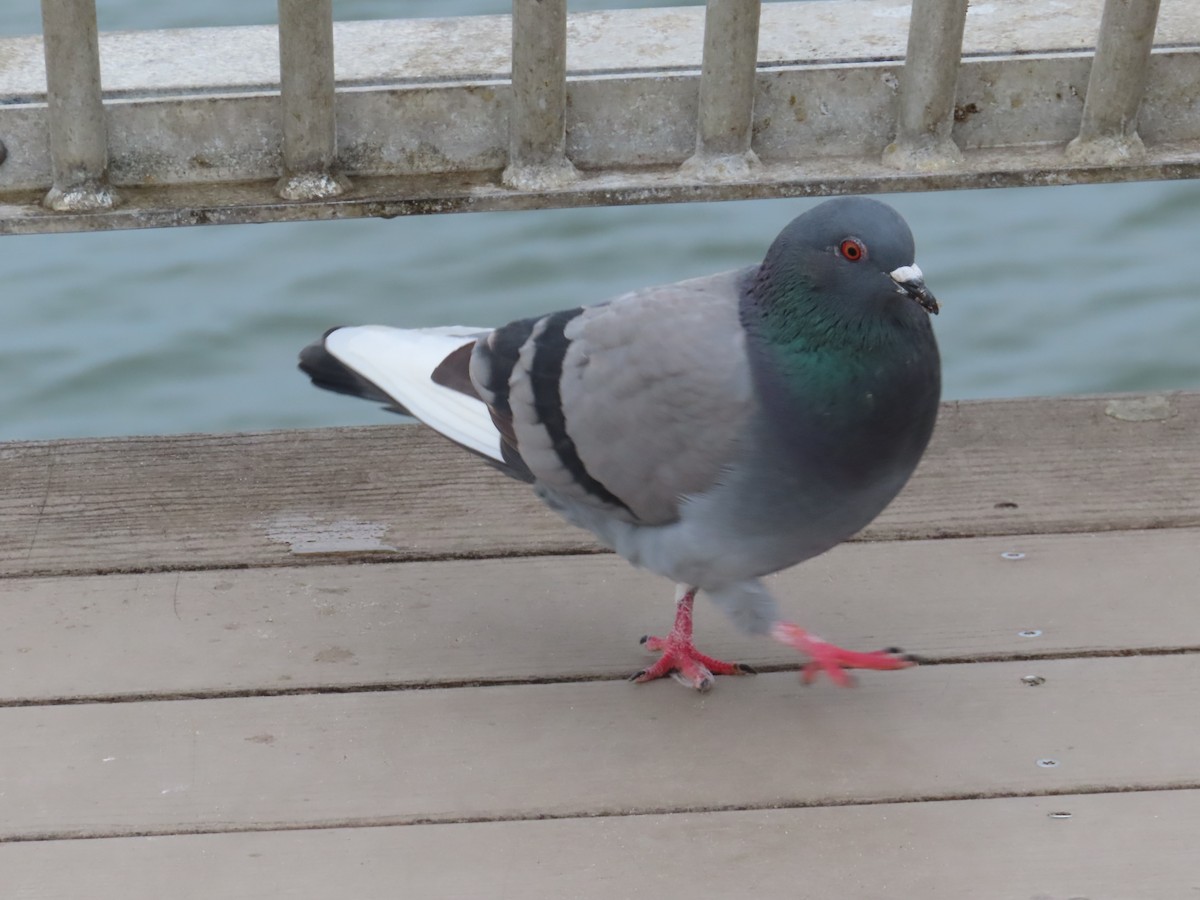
column 355, row 663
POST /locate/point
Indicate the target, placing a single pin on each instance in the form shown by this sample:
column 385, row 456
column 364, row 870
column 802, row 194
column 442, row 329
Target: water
column 1045, row 290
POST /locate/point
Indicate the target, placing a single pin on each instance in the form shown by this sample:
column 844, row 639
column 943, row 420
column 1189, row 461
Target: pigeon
column 712, row 431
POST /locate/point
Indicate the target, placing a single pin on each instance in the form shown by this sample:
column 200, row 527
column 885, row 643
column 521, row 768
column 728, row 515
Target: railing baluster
column 306, row 93
column 927, row 87
column 538, row 110
column 1108, row 132
column 727, row 81
column 75, row 109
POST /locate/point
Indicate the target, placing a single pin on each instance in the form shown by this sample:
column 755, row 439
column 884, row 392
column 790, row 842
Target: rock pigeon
column 713, row 431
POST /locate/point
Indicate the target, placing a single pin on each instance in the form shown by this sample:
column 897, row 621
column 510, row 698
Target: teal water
column 1045, row 290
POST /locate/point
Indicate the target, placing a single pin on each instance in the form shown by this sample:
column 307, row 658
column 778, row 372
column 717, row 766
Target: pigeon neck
column 797, row 336
column 784, row 310
column 831, row 378
column 798, row 310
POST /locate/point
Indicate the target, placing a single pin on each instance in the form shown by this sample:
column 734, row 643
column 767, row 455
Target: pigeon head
column 850, row 257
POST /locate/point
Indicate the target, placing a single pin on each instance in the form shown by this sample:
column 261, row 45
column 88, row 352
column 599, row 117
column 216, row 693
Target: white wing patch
column 400, row 361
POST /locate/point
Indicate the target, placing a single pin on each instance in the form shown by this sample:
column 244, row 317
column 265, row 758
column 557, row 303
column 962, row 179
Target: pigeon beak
column 910, row 280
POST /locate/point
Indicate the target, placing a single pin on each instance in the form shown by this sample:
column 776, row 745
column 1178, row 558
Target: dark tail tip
column 329, row 373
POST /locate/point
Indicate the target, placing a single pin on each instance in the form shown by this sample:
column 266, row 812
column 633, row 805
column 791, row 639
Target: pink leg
column 834, row 660
column 680, row 658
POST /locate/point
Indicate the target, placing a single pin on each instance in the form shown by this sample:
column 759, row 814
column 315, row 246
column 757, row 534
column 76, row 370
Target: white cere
column 907, row 274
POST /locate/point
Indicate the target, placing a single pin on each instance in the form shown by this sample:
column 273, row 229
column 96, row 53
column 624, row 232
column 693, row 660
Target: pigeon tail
column 395, row 366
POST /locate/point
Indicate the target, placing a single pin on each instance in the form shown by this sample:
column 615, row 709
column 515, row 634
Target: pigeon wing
column 631, row 405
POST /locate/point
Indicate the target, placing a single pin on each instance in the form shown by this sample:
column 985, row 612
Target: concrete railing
column 254, row 124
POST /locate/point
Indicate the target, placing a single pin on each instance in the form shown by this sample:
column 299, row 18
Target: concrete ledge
column 197, row 110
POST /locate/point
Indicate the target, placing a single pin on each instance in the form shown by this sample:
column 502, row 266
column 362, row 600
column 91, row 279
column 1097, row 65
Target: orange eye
column 853, row 249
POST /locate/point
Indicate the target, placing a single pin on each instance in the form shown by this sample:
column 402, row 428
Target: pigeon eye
column 853, row 249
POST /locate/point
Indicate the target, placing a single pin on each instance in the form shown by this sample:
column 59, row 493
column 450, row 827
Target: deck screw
column 1012, row 554
column 1047, row 763
column 1033, row 680
column 1030, row 632
column 1059, row 815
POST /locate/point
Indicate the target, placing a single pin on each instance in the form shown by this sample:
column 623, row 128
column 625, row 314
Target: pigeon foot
column 680, row 659
column 834, row 660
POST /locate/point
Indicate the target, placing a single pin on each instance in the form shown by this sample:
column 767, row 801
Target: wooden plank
column 338, row 626
column 203, row 501
column 577, row 749
column 959, row 850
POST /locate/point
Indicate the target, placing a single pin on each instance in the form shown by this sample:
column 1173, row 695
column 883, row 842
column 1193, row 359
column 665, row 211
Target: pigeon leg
column 834, row 660
column 680, row 659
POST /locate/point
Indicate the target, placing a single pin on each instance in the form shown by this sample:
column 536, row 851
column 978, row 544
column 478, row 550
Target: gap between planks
column 577, row 815
column 579, row 678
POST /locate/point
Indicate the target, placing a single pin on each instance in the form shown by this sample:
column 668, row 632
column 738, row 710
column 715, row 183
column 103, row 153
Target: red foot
column 680, row 659
column 834, row 660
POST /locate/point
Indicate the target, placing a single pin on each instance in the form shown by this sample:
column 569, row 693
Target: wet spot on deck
column 304, row 533
column 333, row 655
